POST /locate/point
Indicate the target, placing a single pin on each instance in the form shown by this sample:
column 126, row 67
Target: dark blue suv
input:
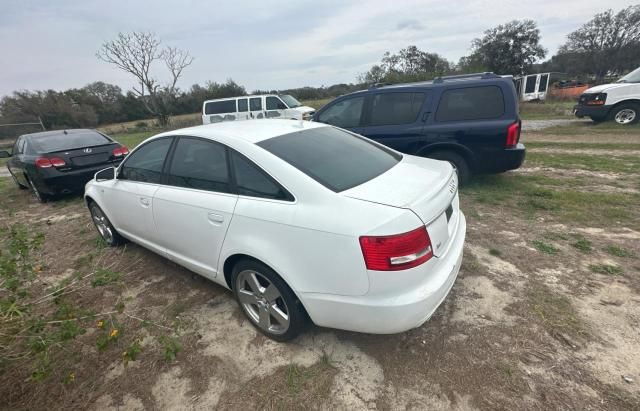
column 472, row 121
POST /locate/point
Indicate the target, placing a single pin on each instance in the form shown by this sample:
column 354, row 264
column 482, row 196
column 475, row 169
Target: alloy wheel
column 102, row 224
column 625, row 116
column 262, row 302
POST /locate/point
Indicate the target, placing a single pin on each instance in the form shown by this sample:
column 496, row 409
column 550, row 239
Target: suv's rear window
column 219, row 107
column 49, row 143
column 471, row 103
column 334, row 158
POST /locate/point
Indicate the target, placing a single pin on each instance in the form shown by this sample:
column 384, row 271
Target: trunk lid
column 427, row 187
column 86, row 156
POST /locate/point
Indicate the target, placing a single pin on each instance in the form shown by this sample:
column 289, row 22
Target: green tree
column 409, row 64
column 509, row 48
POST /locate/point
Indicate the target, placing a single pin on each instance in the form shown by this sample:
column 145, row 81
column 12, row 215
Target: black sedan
column 62, row 161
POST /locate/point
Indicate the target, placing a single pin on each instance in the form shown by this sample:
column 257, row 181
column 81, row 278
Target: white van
column 619, row 101
column 255, row 107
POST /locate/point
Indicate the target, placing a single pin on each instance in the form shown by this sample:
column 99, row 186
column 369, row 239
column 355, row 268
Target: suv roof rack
column 485, row 75
column 378, row 85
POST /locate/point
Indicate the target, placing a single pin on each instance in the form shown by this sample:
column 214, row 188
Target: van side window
column 220, row 107
column 471, row 103
column 345, row 113
column 274, row 103
column 255, row 104
column 395, row 108
column 243, row 105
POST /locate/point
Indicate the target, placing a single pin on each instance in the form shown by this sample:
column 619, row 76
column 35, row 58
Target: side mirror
column 5, row 154
column 106, row 174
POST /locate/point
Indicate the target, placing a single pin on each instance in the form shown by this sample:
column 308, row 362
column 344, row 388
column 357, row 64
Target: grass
column 583, row 146
column 618, row 251
column 583, row 245
column 554, row 310
column 606, row 269
column 589, row 162
column 545, row 247
column 547, row 110
column 131, row 140
column 589, row 127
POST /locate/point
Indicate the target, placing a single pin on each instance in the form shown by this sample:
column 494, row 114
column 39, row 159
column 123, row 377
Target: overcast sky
column 260, row 44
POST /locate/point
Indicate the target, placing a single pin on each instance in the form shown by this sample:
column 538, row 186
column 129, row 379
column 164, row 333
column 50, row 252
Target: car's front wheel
column 104, row 226
column 268, row 301
column 626, row 114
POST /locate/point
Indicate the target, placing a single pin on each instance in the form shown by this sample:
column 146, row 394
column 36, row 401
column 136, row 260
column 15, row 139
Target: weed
column 554, row 310
column 618, row 251
column 104, row 276
column 606, row 269
column 545, row 247
column 583, row 245
column 132, row 351
column 171, row 347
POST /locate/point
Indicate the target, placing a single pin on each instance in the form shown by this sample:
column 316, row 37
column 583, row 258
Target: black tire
column 16, row 182
column 625, row 113
column 41, row 197
column 256, row 303
column 106, row 230
column 457, row 161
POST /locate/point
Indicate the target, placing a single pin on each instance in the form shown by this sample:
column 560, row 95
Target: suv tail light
column 513, row 135
column 44, row 162
column 120, row 151
column 396, row 252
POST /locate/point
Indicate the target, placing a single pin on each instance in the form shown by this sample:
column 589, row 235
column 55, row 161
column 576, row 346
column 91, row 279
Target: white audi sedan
column 300, row 220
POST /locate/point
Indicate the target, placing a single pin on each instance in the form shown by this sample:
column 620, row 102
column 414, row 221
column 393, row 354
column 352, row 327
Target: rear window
column 220, row 107
column 58, row 142
column 335, row 158
column 395, row 108
column 471, row 103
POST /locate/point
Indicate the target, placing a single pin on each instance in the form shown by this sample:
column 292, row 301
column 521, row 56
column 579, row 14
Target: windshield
column 633, row 77
column 290, row 101
column 334, row 158
column 49, row 143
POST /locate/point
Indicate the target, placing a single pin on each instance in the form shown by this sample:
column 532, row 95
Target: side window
column 274, row 103
column 199, row 164
column 255, row 103
column 220, row 107
column 345, row 113
column 145, row 164
column 17, row 147
column 395, row 108
column 252, row 181
column 471, row 103
column 243, row 105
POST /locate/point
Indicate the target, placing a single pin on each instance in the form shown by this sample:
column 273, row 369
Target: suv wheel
column 626, row 114
column 458, row 162
column 267, row 301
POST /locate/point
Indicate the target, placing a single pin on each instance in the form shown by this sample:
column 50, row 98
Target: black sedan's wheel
column 41, row 197
column 267, row 301
column 104, row 226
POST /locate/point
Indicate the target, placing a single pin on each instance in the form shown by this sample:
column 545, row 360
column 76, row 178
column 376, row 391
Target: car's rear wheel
column 41, row 197
column 626, row 114
column 458, row 162
column 104, row 226
column 17, row 183
column 267, row 301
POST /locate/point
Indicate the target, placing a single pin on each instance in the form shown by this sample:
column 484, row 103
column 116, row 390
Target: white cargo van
column 254, row 107
column 619, row 101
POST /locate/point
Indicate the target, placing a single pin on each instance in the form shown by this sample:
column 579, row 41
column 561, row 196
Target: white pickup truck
column 619, row 101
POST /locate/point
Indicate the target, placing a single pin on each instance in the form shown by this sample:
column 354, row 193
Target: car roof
column 58, row 132
column 251, row 131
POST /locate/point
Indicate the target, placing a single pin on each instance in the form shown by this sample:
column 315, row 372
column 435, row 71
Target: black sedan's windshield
column 50, row 143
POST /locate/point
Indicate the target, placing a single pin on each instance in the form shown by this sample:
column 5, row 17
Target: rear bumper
column 503, row 160
column 391, row 313
column 52, row 182
column 591, row 111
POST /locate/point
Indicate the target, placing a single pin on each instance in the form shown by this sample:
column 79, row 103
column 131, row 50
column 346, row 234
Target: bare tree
column 135, row 54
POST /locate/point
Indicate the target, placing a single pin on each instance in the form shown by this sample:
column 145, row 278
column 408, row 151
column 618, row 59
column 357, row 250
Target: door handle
column 216, row 218
column 425, row 116
column 145, row 201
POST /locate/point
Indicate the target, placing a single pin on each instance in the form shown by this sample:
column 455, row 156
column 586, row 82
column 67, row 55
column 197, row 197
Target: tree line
column 607, row 45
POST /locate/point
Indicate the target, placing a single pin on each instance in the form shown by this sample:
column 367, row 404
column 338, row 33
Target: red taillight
column 396, row 252
column 120, row 151
column 513, row 135
column 44, row 162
